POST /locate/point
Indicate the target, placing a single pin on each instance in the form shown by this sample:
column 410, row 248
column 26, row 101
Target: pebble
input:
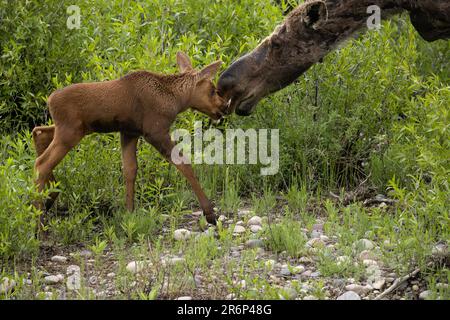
column 315, row 234
column 298, row 269
column 254, row 243
column 182, row 234
column 59, row 259
column 366, row 255
column 254, row 221
column 378, row 285
column 186, row 298
column 53, row 279
column 93, row 280
column 243, row 213
column 310, row 298
column 85, row 254
column 197, row 213
column 238, row 229
column 222, row 218
column 349, row 295
column 415, row 287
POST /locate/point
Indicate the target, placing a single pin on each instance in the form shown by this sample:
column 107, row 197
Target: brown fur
column 310, row 32
column 139, row 104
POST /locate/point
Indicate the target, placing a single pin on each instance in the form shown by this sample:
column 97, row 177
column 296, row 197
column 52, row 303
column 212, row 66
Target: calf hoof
column 211, row 218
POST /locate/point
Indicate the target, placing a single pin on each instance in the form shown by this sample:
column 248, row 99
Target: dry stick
column 396, row 284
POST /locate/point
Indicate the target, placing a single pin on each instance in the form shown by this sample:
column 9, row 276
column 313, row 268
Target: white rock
column 7, row 285
column 359, row 289
column 54, row 279
column 310, row 298
column 243, row 213
column 238, row 229
column 315, row 243
column 298, row 269
column 112, row 274
column 255, row 228
column 181, row 234
column 254, row 221
column 138, row 266
column 59, row 259
column 368, row 262
column 363, row 244
column 378, row 285
column 270, row 264
column 254, row 243
column 349, row 295
column 186, row 298
column 425, row 295
column 74, row 279
column 222, row 218
column 197, row 213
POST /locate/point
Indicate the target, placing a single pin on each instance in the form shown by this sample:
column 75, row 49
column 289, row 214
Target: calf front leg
column 129, row 145
column 165, row 146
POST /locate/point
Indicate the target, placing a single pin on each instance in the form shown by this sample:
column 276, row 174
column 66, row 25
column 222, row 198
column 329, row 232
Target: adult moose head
column 311, row 31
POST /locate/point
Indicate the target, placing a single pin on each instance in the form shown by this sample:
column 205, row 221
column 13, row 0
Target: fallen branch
column 397, row 284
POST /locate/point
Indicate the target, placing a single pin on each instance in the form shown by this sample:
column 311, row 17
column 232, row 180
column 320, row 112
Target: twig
column 397, row 284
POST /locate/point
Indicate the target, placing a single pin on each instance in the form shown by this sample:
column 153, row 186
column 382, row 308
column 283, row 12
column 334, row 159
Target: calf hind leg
column 129, row 144
column 42, row 137
column 63, row 141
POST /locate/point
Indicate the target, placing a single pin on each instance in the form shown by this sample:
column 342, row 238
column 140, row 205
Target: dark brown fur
column 310, row 32
column 139, row 104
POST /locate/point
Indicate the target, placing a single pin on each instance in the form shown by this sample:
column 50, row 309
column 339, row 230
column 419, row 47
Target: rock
column 349, row 295
column 269, row 264
column 93, row 280
column 298, row 269
column 363, row 244
column 111, row 275
column 254, row 243
column 74, row 278
column 230, row 296
column 53, row 279
column 315, row 234
column 311, row 298
column 240, row 223
column 366, row 255
column 7, row 285
column 324, row 238
column 359, row 289
column 415, row 287
column 254, row 221
column 378, row 285
column 137, row 266
column 186, row 298
column 59, row 259
column 370, row 263
column 243, row 213
column 285, row 272
column 238, row 229
column 85, row 254
column 222, row 218
column 318, row 227
column 440, row 250
column 173, row 260
column 255, row 229
column 343, row 260
column 425, row 295
column 315, row 274
column 197, row 213
column 315, row 243
column 441, row 286
column 288, row 293
column 182, row 234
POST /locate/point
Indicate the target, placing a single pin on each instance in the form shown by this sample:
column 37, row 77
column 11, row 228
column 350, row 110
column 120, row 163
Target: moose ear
column 314, row 13
column 183, row 61
column 210, row 71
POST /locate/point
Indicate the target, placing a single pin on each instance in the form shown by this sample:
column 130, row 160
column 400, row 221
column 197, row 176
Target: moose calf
column 139, row 104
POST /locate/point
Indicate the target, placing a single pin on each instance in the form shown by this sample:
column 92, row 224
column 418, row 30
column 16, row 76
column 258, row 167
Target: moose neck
column 343, row 20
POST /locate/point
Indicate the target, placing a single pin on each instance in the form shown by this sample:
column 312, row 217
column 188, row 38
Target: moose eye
column 275, row 42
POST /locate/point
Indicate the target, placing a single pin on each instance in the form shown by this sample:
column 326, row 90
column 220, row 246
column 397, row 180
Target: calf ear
column 210, row 71
column 314, row 13
column 184, row 63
